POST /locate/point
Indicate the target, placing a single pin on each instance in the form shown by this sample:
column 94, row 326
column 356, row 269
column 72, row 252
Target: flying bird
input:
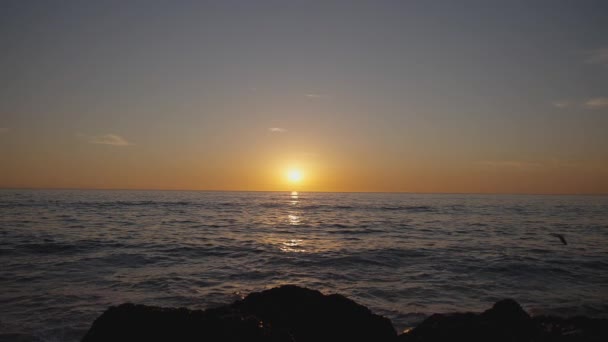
column 561, row 237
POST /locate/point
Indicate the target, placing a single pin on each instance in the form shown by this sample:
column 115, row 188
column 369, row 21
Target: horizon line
column 312, row 191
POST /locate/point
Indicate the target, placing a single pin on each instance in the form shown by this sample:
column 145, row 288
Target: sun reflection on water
column 294, row 198
column 294, row 220
column 293, row 231
column 293, row 245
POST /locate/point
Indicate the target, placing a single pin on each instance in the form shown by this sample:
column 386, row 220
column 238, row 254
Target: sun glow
column 294, row 176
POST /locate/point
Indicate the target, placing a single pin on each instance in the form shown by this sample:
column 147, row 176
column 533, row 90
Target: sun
column 294, row 176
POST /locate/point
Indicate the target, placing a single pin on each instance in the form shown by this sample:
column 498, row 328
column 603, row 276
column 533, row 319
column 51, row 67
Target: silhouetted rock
column 572, row 329
column 308, row 315
column 506, row 321
column 287, row 313
column 295, row 314
column 129, row 322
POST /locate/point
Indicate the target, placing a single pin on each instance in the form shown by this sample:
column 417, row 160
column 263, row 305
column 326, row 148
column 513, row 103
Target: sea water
column 67, row 255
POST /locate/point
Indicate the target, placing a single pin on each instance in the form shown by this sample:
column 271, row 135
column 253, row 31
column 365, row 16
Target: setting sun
column 294, row 176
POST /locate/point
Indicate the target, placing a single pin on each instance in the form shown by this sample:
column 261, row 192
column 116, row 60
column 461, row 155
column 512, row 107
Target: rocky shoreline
column 295, row 314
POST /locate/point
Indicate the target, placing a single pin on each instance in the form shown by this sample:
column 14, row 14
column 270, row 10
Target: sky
column 395, row 96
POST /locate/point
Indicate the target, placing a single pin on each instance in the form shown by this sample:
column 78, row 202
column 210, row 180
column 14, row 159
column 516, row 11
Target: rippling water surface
column 65, row 256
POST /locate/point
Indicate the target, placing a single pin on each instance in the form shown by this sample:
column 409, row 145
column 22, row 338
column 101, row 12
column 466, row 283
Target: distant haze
column 414, row 96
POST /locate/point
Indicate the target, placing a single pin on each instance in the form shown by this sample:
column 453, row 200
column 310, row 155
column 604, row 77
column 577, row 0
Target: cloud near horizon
column 592, row 103
column 108, row 139
column 277, row 130
column 597, row 103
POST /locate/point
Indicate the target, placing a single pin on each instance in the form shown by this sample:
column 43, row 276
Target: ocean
column 67, row 255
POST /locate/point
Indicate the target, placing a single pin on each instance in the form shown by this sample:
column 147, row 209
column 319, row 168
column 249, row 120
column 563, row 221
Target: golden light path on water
column 291, row 233
column 293, row 245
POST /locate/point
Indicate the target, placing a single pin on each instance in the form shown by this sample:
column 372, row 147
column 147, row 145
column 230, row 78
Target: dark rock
column 287, row 313
column 295, row 314
column 308, row 315
column 506, row 321
column 572, row 329
column 129, row 322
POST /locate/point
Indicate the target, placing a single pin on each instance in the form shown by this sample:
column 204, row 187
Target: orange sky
column 264, row 166
column 372, row 96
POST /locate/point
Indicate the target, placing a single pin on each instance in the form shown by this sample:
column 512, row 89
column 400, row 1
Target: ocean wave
column 411, row 208
column 49, row 247
column 349, row 230
column 397, row 252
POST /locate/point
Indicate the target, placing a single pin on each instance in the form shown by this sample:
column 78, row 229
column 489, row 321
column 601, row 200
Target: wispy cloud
column 3, row 129
column 597, row 103
column 316, row 96
column 597, row 56
column 108, row 139
column 592, row 103
column 510, row 164
column 561, row 104
column 277, row 130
